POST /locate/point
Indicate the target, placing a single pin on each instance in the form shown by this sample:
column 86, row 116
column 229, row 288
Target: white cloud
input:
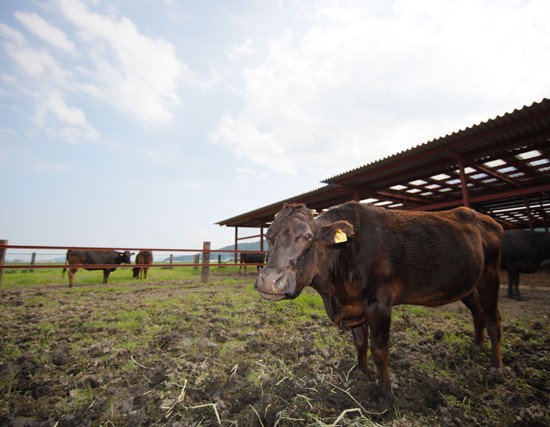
column 242, row 50
column 248, row 175
column 46, row 83
column 72, row 121
column 245, row 140
column 349, row 85
column 38, row 63
column 138, row 75
column 11, row 34
column 33, row 62
column 104, row 56
column 45, row 31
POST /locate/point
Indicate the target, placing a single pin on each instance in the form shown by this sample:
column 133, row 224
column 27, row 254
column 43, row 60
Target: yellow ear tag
column 340, row 236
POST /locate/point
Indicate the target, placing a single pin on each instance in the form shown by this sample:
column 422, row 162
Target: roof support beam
column 463, row 184
column 483, row 169
column 236, row 244
column 529, row 214
column 486, row 198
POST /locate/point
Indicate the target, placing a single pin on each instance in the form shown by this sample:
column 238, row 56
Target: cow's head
column 125, row 257
column 297, row 242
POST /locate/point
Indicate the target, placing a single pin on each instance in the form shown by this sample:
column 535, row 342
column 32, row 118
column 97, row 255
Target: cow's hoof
column 496, row 375
column 385, row 400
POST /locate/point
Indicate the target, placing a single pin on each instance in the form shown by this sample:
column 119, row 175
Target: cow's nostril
column 279, row 281
column 259, row 280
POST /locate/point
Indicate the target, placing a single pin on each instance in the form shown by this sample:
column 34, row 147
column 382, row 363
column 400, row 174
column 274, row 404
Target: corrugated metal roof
column 505, row 162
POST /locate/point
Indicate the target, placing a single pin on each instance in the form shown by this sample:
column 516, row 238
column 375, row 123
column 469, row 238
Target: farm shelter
column 500, row 167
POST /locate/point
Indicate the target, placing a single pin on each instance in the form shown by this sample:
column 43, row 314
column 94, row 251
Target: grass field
column 14, row 277
column 173, row 351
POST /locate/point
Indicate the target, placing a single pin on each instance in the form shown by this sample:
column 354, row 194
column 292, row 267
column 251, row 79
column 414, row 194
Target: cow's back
column 82, row 257
column 421, row 256
column 144, row 257
column 446, row 254
column 93, row 257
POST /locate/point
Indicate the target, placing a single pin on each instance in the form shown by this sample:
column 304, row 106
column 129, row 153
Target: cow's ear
column 337, row 232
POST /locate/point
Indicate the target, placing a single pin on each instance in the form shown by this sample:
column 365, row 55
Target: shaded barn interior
column 500, row 167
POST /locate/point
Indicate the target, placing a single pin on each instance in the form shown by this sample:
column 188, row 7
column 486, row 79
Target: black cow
column 77, row 257
column 363, row 260
column 250, row 258
column 523, row 252
column 143, row 258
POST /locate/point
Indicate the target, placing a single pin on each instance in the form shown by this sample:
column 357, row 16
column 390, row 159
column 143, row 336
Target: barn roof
column 504, row 162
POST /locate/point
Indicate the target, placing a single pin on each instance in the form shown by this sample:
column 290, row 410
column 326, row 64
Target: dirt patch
column 184, row 354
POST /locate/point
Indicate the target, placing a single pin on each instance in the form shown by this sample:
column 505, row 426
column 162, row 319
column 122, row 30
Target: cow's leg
column 488, row 299
column 106, row 273
column 516, row 292
column 379, row 317
column 513, row 278
column 472, row 302
column 72, row 272
column 513, row 285
column 361, row 341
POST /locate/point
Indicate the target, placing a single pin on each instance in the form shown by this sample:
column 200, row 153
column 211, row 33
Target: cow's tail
column 66, row 261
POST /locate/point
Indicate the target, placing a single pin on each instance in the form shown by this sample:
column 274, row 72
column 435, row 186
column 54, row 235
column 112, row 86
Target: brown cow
column 363, row 260
column 143, row 258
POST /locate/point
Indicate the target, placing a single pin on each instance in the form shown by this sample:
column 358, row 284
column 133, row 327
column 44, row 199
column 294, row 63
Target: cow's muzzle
column 275, row 285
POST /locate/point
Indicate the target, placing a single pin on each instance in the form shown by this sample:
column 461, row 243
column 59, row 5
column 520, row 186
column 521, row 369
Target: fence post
column 2, row 256
column 33, row 259
column 171, row 261
column 205, row 274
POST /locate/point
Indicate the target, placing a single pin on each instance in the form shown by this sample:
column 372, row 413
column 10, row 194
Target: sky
column 142, row 123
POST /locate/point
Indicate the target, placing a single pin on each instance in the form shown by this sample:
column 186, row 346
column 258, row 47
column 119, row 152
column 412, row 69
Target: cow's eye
column 308, row 237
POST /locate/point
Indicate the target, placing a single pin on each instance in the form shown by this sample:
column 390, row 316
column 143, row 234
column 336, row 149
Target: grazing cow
column 144, row 258
column 363, row 260
column 249, row 258
column 523, row 252
column 77, row 257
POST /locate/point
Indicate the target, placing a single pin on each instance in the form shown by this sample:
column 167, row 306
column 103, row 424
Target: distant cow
column 523, row 252
column 363, row 260
column 250, row 258
column 144, row 258
column 78, row 257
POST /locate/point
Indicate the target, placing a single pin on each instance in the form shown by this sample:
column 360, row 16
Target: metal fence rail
column 201, row 258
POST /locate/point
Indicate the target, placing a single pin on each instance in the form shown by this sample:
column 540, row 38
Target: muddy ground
column 186, row 354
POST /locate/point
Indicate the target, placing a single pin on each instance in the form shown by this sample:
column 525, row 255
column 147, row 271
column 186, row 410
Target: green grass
column 223, row 335
column 14, row 278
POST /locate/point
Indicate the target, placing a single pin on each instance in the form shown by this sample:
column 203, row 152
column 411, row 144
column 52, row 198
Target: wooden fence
column 201, row 258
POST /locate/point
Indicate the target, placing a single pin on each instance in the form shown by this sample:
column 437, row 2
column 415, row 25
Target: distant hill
column 251, row 246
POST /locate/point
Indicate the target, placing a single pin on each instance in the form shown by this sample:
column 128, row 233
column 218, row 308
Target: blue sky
column 142, row 123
